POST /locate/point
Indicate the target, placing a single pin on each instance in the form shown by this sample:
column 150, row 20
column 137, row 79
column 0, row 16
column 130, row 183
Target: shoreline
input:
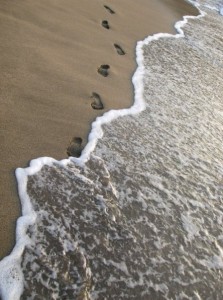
column 10, row 209
column 177, row 224
column 37, row 164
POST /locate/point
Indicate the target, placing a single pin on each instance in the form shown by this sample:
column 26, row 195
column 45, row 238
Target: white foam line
column 210, row 7
column 11, row 276
column 219, row 8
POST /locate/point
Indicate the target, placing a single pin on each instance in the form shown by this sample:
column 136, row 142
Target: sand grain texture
column 50, row 53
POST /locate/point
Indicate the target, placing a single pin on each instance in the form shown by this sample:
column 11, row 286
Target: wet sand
column 61, row 65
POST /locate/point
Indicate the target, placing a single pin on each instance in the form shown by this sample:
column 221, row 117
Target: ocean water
column 140, row 214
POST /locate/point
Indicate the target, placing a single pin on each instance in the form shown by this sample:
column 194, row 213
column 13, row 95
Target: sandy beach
column 62, row 64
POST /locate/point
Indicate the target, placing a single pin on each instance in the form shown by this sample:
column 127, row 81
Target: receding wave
column 140, row 216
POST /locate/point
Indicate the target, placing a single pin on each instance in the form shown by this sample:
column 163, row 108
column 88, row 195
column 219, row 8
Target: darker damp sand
column 54, row 82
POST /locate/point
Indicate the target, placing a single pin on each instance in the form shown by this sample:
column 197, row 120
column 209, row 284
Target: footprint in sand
column 75, row 148
column 119, row 49
column 105, row 24
column 96, row 103
column 103, row 70
column 111, row 11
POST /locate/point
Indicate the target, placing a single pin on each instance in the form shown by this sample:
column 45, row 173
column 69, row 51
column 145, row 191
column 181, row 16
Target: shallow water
column 142, row 219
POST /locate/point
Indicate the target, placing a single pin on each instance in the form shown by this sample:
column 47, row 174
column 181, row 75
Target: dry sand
column 50, row 52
